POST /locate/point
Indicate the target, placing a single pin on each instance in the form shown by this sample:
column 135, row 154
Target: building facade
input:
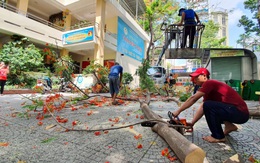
column 220, row 17
column 86, row 30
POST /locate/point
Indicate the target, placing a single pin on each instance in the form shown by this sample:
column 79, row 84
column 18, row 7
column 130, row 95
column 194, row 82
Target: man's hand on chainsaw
column 175, row 113
column 190, row 124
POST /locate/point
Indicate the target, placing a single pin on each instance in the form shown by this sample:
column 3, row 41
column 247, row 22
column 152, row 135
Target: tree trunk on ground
column 254, row 112
column 186, row 151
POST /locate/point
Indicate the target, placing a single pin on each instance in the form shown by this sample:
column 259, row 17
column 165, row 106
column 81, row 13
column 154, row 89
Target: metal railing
column 60, row 28
column 82, row 25
column 29, row 15
column 127, row 8
column 177, row 32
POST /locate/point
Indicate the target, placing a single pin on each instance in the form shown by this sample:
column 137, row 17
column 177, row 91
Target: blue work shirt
column 189, row 17
column 116, row 70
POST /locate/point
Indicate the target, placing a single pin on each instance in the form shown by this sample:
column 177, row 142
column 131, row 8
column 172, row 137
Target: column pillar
column 64, row 52
column 22, row 5
column 67, row 20
column 99, row 27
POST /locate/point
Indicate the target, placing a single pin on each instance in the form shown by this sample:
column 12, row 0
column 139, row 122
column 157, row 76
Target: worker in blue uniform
column 188, row 17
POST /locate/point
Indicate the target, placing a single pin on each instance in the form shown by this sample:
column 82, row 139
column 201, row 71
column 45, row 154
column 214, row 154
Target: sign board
column 77, row 36
column 226, row 53
column 84, row 81
column 128, row 42
column 178, row 70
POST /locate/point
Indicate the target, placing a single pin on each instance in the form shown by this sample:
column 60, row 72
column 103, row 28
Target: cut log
column 186, row 151
column 254, row 112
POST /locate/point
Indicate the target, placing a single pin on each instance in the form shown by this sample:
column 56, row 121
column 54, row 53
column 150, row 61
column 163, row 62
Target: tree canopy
column 157, row 12
column 22, row 57
column 250, row 25
column 209, row 37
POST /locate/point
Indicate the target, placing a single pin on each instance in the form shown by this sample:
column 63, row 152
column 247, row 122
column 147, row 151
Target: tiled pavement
column 32, row 143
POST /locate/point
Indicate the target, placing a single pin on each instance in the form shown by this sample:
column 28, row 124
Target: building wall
column 40, row 33
column 221, row 18
column 205, row 13
column 19, row 24
column 111, row 25
column 111, row 55
column 129, row 65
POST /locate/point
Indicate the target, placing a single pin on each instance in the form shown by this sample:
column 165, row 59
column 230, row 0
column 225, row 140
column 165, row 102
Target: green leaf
column 138, row 112
column 46, row 116
column 48, row 140
column 30, row 107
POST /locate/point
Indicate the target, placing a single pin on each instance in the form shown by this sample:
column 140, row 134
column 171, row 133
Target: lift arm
column 163, row 51
column 167, row 41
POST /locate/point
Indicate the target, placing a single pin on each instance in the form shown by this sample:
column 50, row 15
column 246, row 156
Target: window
column 224, row 32
column 223, row 20
column 215, row 18
column 155, row 71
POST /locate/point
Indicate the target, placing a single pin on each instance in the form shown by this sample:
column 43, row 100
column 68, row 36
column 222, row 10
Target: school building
column 102, row 30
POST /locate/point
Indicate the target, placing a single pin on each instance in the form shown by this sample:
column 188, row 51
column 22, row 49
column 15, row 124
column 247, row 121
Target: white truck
column 158, row 74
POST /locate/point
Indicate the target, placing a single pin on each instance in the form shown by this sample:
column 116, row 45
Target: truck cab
column 158, row 74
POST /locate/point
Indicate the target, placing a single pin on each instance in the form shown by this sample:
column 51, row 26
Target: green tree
column 127, row 78
column 146, row 82
column 22, row 57
column 250, row 25
column 209, row 37
column 157, row 12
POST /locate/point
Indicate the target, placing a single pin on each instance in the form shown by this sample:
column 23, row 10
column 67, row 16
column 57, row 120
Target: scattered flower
column 97, row 133
column 4, row 144
column 40, row 123
column 74, row 123
column 138, row 136
column 139, row 146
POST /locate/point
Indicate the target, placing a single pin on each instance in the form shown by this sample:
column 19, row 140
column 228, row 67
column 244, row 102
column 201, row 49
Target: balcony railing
column 31, row 16
column 52, row 25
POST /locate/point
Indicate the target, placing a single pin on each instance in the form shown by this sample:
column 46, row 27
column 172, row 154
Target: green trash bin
column 246, row 90
column 255, row 86
column 235, row 84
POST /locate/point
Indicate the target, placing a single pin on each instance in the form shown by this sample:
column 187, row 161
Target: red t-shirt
column 218, row 91
column 3, row 74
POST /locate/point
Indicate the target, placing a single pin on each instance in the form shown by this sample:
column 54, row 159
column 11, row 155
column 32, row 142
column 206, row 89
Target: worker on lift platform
column 188, row 17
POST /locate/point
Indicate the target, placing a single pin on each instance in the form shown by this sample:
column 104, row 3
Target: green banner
column 226, row 53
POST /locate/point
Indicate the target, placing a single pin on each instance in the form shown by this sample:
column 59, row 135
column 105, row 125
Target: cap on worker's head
column 180, row 11
column 200, row 71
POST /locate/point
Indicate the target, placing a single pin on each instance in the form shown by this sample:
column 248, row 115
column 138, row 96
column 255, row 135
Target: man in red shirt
column 221, row 104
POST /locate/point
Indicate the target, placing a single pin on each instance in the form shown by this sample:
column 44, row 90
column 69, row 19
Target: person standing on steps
column 221, row 105
column 188, row 17
column 115, row 81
